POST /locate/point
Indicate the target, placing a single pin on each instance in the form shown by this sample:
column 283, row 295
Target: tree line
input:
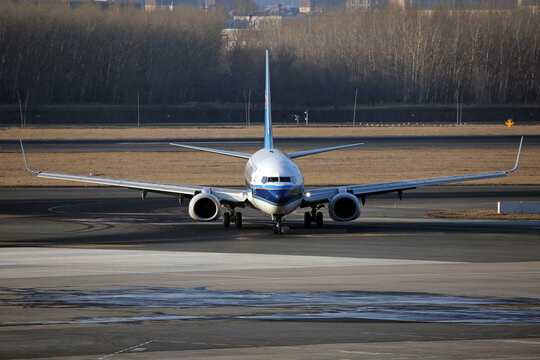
column 87, row 54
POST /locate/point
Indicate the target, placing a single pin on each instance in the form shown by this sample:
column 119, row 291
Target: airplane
column 275, row 184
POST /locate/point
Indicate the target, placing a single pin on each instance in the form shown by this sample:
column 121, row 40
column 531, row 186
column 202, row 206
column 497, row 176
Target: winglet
column 517, row 159
column 268, row 138
column 25, row 161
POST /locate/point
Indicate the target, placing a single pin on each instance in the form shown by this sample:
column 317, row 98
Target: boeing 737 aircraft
column 275, row 185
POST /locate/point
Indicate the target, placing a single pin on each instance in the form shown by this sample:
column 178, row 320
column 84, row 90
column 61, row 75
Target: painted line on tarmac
column 523, row 342
column 126, row 349
column 95, row 246
column 12, row 216
column 350, row 235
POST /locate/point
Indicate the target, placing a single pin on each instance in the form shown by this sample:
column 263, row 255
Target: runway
column 252, row 144
column 98, row 273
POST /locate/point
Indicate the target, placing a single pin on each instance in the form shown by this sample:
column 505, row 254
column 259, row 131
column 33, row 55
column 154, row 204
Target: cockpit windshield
column 278, row 179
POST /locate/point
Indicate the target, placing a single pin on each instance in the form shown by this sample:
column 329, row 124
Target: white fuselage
column 275, row 183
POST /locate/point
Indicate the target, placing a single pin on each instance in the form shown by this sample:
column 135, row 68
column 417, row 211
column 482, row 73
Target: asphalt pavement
column 98, row 273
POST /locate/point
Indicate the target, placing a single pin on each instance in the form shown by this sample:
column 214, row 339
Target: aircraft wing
column 318, row 151
column 322, row 195
column 215, row 151
column 224, row 194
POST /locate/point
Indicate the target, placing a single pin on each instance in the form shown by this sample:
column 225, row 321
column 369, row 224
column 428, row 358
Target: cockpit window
column 276, row 179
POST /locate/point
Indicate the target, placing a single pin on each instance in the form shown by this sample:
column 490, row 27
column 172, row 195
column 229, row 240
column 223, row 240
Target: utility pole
column 457, row 107
column 138, row 111
column 245, row 108
column 249, row 108
column 20, row 107
column 26, row 105
column 461, row 110
column 354, row 112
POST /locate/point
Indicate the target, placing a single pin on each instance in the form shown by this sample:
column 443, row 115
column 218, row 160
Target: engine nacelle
column 204, row 207
column 344, row 207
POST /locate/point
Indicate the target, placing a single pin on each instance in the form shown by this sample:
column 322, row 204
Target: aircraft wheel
column 226, row 219
column 319, row 220
column 307, row 220
column 238, row 220
column 279, row 229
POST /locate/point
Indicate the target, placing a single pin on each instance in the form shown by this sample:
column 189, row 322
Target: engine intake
column 344, row 207
column 204, row 207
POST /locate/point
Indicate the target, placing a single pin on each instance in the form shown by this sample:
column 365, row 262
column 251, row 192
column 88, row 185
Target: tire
column 238, row 220
column 226, row 219
column 307, row 220
column 319, row 220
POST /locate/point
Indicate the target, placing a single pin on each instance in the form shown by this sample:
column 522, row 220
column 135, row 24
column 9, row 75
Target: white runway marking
column 523, row 342
column 124, row 350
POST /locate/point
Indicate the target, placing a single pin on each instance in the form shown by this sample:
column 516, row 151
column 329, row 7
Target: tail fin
column 268, row 138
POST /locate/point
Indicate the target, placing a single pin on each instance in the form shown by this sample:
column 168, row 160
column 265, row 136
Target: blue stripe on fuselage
column 277, row 195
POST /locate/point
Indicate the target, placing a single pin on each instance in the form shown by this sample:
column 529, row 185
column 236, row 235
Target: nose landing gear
column 278, row 224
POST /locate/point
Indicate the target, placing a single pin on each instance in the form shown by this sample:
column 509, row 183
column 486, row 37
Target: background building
column 433, row 3
column 306, row 6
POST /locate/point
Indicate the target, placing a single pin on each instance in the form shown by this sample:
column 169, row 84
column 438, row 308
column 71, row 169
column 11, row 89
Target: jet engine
column 344, row 207
column 204, row 207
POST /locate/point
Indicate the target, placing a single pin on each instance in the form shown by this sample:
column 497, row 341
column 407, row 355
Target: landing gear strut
column 313, row 217
column 235, row 217
column 278, row 225
column 226, row 219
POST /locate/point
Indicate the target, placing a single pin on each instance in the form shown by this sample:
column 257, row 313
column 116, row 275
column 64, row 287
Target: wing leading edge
column 318, row 151
column 323, row 195
column 224, row 194
column 215, row 151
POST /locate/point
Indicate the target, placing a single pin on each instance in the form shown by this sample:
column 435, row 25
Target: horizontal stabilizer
column 215, row 151
column 318, row 151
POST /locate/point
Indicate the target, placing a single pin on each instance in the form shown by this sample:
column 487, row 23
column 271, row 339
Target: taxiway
column 98, row 273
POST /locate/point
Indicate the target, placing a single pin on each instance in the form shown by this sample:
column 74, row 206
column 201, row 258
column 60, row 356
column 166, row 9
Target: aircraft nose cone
column 278, row 196
column 285, row 196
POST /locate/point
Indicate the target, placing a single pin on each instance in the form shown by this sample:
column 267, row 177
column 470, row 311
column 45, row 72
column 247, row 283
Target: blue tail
column 268, row 139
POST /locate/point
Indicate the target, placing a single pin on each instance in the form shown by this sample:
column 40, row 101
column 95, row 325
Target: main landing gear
column 235, row 217
column 313, row 217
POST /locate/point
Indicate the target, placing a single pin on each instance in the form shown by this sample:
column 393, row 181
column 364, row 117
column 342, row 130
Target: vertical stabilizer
column 268, row 139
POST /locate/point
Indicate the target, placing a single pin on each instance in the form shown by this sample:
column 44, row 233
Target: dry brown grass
column 481, row 215
column 257, row 131
column 332, row 168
